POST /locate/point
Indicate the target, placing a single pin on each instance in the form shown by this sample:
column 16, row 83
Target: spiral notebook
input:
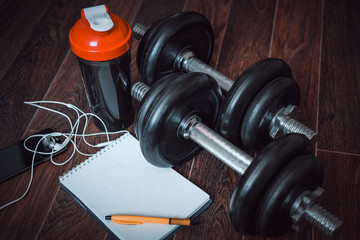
column 118, row 180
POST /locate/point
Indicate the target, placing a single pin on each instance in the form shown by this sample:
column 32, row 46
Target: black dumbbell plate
column 149, row 101
column 263, row 169
column 275, row 95
column 244, row 90
column 304, row 173
column 168, row 37
column 192, row 93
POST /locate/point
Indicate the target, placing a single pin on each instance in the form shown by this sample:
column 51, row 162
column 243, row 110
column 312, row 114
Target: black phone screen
column 15, row 159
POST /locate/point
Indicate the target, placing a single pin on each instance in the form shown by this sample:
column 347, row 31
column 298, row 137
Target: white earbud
column 58, row 146
column 104, row 144
column 75, row 131
column 49, row 141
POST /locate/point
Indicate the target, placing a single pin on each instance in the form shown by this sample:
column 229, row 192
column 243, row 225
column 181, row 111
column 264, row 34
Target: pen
column 135, row 220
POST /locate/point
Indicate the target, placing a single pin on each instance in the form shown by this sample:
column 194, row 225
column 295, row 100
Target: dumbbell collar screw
column 292, row 111
column 138, row 31
column 139, row 90
column 284, row 122
column 297, row 210
column 186, row 61
column 275, row 124
column 305, row 209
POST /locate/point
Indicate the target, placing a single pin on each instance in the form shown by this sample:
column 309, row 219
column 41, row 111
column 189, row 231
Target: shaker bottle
column 101, row 42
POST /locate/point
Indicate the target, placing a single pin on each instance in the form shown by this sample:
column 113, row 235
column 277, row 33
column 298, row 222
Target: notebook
column 118, row 180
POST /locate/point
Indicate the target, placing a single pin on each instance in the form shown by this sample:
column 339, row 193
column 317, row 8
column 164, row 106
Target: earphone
column 50, row 143
column 48, row 140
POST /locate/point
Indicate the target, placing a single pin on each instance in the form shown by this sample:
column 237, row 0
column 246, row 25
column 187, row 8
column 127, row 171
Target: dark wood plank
column 247, row 37
column 39, row 65
column 149, row 12
column 219, row 181
column 71, row 214
column 16, row 27
column 296, row 39
column 73, row 85
column 23, row 220
column 218, row 20
column 217, row 12
column 339, row 109
column 342, row 191
column 74, row 93
column 28, row 79
column 34, row 68
column 208, row 173
column 69, row 75
column 45, row 184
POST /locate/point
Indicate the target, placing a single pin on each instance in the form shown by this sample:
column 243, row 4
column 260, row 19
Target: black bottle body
column 107, row 86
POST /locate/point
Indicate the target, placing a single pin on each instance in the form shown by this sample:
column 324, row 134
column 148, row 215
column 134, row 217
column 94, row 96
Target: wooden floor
column 319, row 39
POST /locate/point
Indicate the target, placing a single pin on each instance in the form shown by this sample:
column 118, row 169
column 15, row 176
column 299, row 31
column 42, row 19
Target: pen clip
column 127, row 223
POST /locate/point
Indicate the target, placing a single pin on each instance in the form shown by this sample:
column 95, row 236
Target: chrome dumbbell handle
column 192, row 128
column 190, row 63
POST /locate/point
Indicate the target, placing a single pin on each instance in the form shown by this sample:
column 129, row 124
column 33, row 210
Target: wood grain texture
column 296, row 39
column 76, row 220
column 216, row 217
column 147, row 13
column 319, row 39
column 219, row 181
column 16, row 27
column 216, row 178
column 342, row 195
column 24, row 220
column 217, row 12
column 339, row 111
column 150, row 11
column 247, row 37
column 34, row 68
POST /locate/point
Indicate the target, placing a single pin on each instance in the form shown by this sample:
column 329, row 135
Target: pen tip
column 193, row 222
column 108, row 217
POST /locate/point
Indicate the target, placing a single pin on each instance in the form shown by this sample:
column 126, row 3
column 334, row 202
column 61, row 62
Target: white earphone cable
column 31, row 178
column 70, row 137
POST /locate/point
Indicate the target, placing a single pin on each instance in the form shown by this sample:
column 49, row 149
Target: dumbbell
column 259, row 106
column 277, row 189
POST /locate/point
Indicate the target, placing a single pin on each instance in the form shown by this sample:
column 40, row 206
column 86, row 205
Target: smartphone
column 15, row 159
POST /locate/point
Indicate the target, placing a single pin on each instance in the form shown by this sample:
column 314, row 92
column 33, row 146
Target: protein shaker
column 101, row 42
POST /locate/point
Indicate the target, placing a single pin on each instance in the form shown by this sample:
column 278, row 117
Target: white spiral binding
column 93, row 157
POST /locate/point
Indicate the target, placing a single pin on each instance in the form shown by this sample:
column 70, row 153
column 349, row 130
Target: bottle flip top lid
column 99, row 35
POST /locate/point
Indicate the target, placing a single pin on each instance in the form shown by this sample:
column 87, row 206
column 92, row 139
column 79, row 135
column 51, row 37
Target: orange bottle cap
column 99, row 35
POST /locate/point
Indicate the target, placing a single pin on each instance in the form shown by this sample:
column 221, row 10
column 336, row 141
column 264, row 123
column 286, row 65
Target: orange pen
column 135, row 220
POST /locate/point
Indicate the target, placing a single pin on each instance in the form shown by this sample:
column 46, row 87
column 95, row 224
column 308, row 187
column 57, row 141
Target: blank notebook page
column 118, row 180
